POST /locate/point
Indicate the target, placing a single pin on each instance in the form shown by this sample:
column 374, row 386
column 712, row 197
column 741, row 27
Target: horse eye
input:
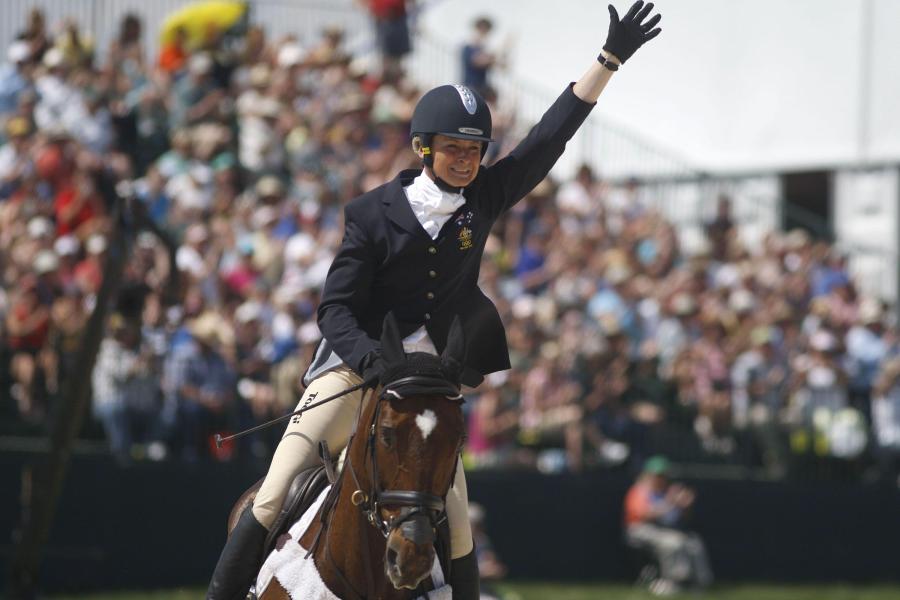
column 387, row 435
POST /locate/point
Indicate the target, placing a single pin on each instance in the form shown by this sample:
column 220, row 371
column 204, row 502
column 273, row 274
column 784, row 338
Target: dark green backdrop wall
column 162, row 525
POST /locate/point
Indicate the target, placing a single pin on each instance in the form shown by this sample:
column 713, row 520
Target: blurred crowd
column 624, row 345
column 243, row 149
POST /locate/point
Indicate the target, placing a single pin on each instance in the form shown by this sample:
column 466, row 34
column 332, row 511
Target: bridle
column 412, row 503
column 371, row 502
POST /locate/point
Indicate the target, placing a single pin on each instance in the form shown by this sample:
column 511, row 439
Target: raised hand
column 628, row 34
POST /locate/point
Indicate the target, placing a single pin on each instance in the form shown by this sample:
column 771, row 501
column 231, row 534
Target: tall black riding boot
column 240, row 560
column 464, row 577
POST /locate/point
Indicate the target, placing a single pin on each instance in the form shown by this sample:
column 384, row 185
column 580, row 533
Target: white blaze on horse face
column 427, row 421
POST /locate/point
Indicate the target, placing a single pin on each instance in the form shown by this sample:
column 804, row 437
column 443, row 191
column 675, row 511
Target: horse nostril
column 393, row 569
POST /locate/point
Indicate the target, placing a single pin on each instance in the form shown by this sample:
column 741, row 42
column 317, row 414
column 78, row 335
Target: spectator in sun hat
column 578, row 199
column 200, row 382
column 612, row 297
column 258, row 78
column 818, row 315
column 88, row 272
column 67, row 248
column 867, row 348
column 191, row 192
column 831, row 274
column 94, row 128
column 330, row 49
column 77, row 46
column 760, row 379
column 16, row 161
column 260, row 148
column 195, row 97
column 253, row 354
column 289, row 55
column 269, row 189
column 822, row 379
column 60, row 104
column 266, row 247
column 126, row 390
column 40, row 228
column 14, row 76
column 392, row 101
column 45, row 263
column 242, row 275
column 178, row 158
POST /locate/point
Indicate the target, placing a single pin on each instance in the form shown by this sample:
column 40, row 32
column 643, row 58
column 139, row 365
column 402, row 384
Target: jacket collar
column 398, row 209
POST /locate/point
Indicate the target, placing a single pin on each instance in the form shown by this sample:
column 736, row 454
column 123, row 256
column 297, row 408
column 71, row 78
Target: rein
column 413, row 503
column 326, row 518
column 370, row 503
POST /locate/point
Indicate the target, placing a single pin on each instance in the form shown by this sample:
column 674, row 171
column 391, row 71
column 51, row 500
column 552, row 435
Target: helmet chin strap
column 443, row 185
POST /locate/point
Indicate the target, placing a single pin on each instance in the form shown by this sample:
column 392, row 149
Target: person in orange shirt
column 655, row 511
column 173, row 55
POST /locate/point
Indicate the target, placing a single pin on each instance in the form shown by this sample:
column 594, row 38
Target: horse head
column 415, row 437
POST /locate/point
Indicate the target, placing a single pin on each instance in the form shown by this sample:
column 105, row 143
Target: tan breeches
column 334, row 422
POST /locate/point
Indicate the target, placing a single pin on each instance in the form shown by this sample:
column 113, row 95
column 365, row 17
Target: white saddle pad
column 299, row 576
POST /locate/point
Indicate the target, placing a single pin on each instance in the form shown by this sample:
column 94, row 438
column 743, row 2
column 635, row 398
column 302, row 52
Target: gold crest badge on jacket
column 465, row 238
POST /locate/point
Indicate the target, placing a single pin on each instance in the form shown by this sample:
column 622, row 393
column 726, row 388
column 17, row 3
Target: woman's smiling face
column 456, row 161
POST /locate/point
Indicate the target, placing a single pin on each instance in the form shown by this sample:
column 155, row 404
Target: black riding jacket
column 388, row 262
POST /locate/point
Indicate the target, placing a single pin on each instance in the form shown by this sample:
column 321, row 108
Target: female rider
column 413, row 247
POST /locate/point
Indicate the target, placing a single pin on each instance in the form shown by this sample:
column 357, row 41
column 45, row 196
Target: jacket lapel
column 398, row 209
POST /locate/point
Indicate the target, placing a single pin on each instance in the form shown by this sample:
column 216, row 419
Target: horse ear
column 391, row 342
column 455, row 351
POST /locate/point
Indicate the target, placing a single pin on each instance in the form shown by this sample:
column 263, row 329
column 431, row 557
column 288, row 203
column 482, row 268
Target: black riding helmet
column 454, row 111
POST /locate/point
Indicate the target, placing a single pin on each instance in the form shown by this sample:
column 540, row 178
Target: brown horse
column 374, row 534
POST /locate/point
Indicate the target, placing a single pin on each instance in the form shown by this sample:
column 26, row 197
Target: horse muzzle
column 410, row 552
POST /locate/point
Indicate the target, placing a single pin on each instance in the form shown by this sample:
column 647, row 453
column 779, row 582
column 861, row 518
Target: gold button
column 430, row 295
column 432, row 274
column 432, row 250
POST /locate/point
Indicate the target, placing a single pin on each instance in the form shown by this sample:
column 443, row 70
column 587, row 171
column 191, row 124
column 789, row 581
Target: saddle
column 305, row 488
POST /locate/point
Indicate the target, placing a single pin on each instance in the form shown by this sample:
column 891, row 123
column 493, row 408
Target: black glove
column 374, row 369
column 627, row 35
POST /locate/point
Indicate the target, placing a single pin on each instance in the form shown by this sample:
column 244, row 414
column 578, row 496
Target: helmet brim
column 464, row 136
